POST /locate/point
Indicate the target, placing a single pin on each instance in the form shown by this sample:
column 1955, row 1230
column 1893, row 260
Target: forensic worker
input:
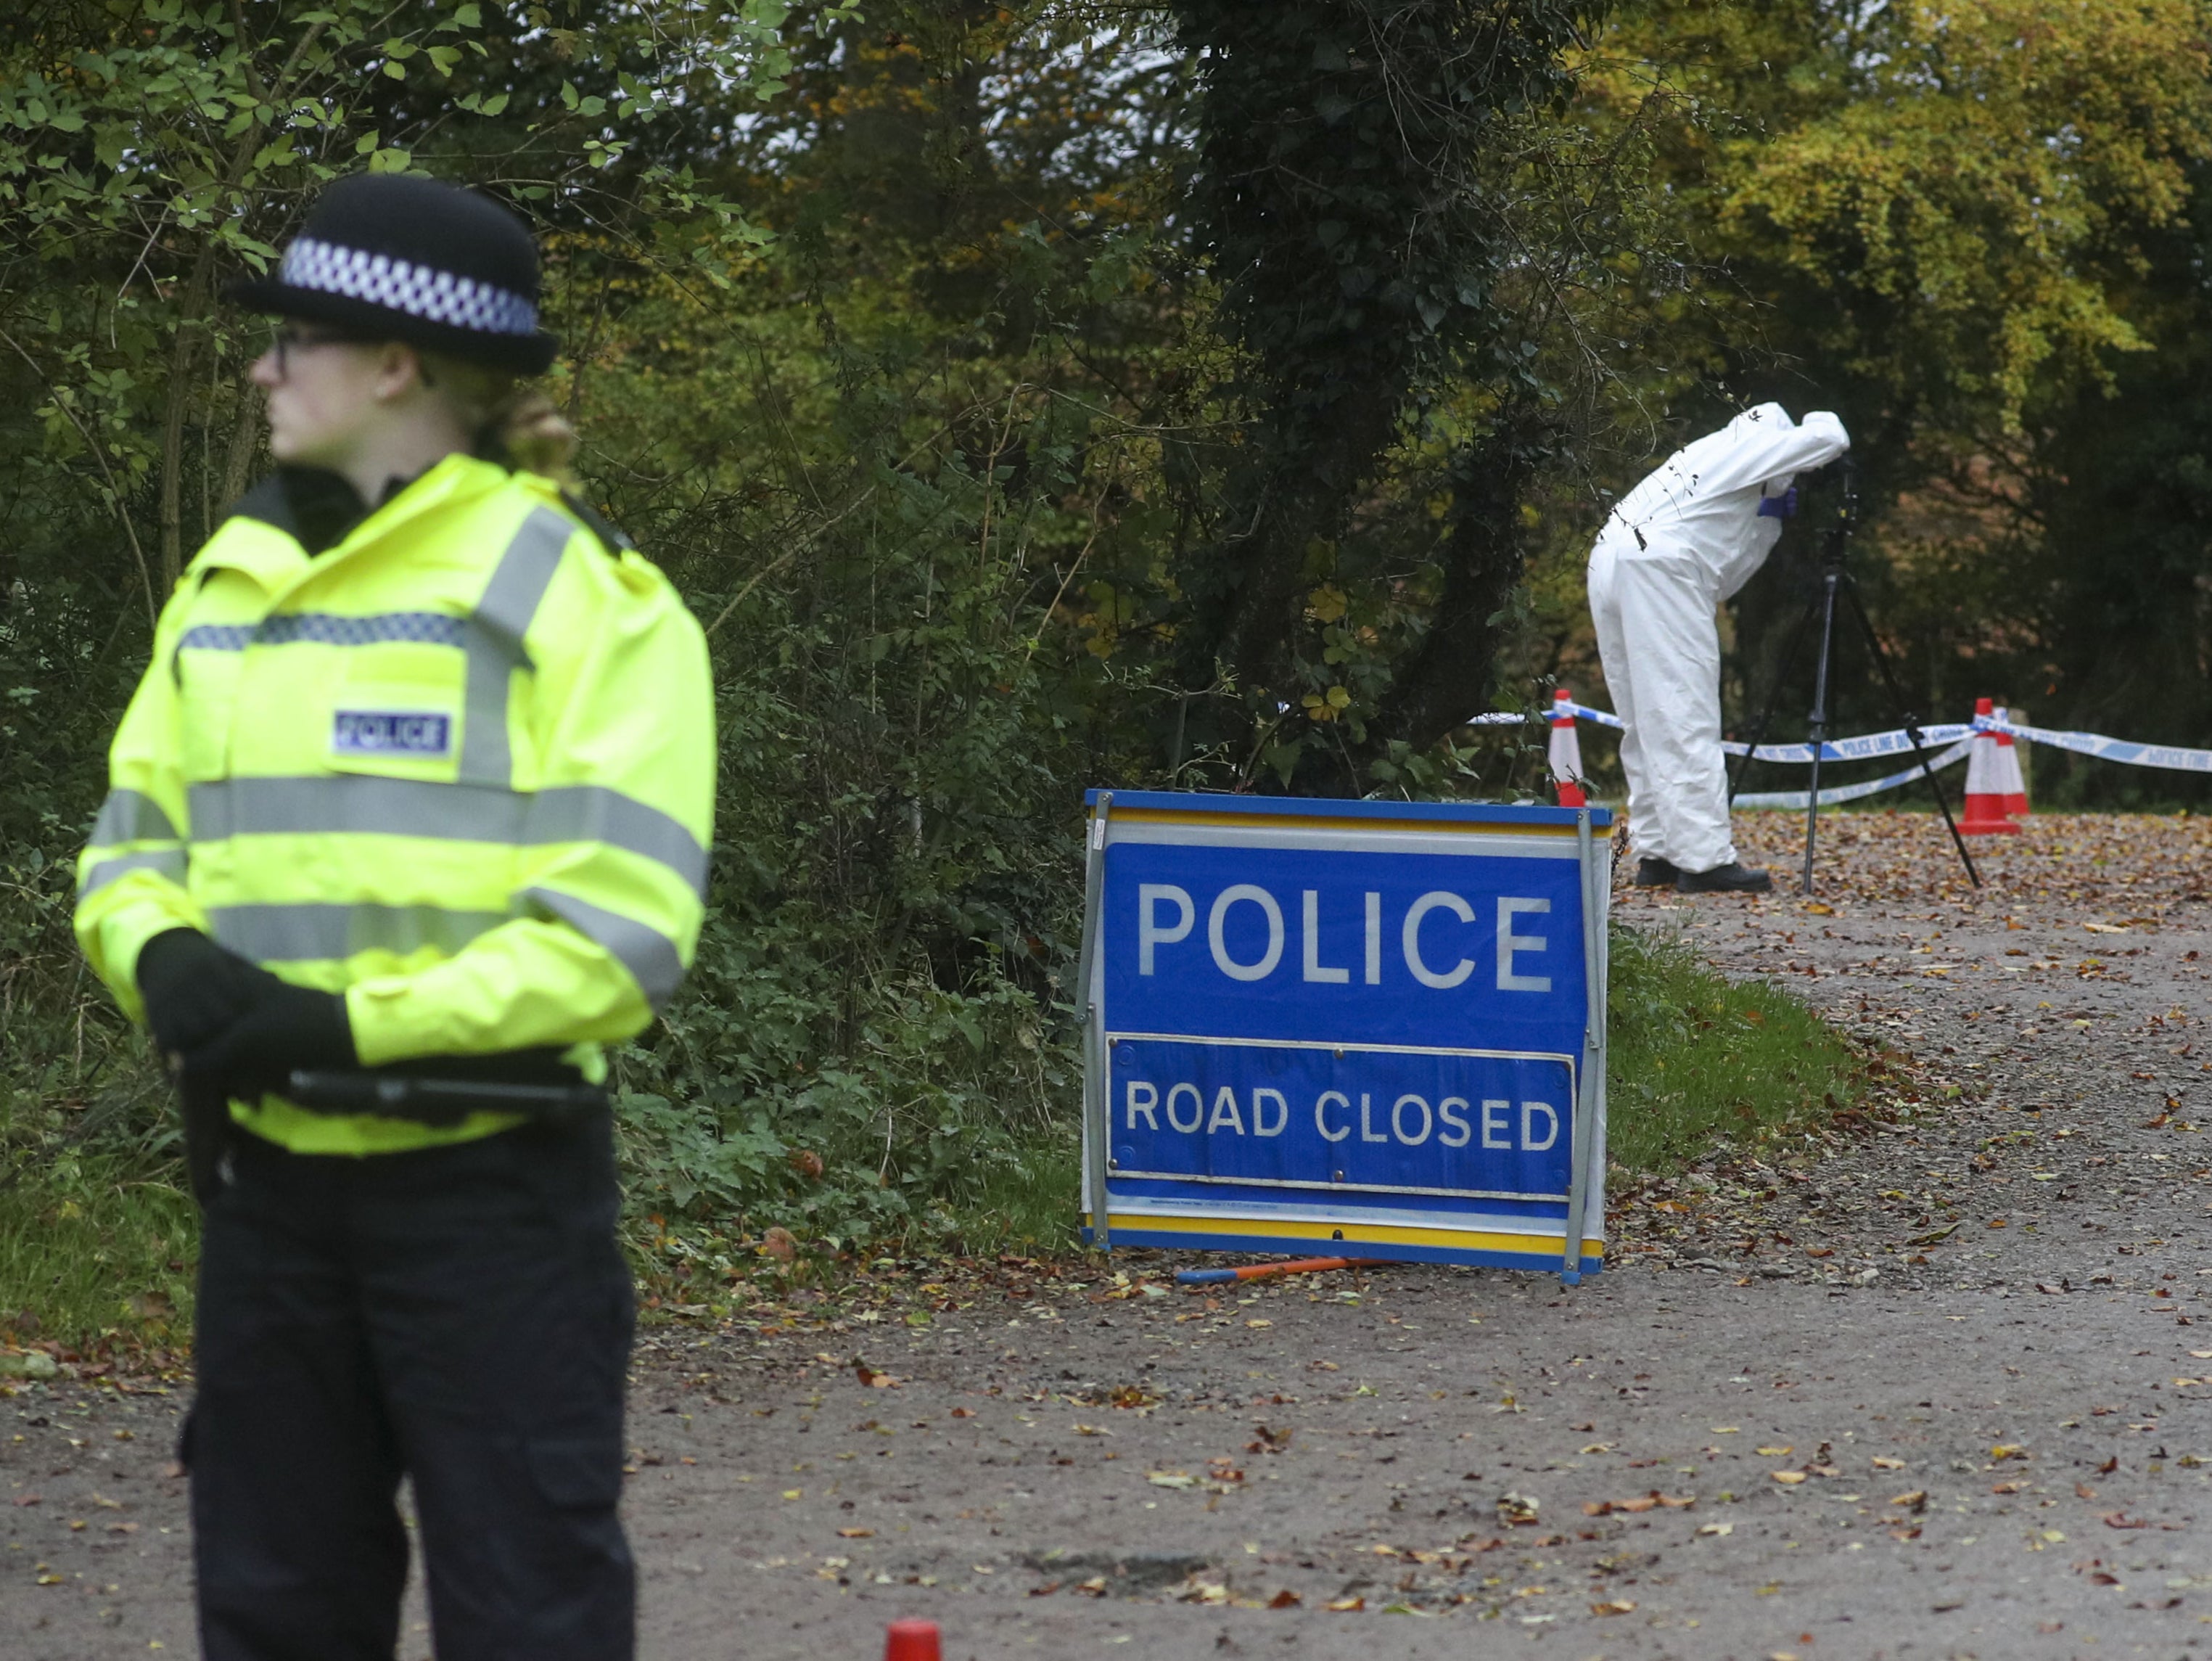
column 420, row 779
column 1674, row 548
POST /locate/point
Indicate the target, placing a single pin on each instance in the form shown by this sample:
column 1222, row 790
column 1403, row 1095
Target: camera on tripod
column 1833, row 492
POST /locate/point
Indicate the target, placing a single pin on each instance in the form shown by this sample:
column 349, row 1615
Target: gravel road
column 1928, row 1388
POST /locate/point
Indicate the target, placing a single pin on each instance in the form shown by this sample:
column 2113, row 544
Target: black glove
column 287, row 1028
column 193, row 989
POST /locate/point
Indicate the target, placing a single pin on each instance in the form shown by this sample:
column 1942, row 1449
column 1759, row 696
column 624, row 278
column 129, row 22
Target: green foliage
column 1367, row 182
column 1973, row 230
column 96, row 1235
column 1696, row 1060
column 96, row 1254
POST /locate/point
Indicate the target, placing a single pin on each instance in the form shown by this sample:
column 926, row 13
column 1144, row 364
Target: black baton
column 439, row 1101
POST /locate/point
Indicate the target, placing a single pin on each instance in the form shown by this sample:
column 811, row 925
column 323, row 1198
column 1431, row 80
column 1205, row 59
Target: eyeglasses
column 289, row 339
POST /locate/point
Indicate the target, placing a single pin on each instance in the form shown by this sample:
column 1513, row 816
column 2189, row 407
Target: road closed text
column 1434, row 1120
column 1409, row 1120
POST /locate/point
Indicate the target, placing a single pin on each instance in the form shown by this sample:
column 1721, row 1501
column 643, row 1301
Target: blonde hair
column 514, row 425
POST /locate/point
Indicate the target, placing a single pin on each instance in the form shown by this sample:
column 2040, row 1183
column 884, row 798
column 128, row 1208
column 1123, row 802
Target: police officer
column 420, row 780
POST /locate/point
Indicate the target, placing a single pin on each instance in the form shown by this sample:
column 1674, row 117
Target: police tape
column 1792, row 800
column 2173, row 756
column 1869, row 746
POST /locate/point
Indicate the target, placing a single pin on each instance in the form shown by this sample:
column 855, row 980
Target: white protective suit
column 1675, row 546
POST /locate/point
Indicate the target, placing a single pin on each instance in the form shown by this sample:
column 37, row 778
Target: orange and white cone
column 2008, row 773
column 1985, row 788
column 1566, row 752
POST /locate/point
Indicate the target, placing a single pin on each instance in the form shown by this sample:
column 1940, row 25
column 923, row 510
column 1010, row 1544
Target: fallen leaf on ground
column 1170, row 1478
column 856, row 1534
column 1775, row 1453
column 1651, row 1501
column 1788, row 1478
column 1614, row 1606
column 1918, row 1499
column 1346, row 1605
column 1882, row 1463
column 1716, row 1530
column 1284, row 1599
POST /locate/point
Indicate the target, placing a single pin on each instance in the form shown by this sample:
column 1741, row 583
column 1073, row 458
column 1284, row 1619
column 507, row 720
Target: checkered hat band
column 400, row 285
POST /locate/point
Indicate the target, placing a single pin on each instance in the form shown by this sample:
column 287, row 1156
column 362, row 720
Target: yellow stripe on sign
column 1540, row 1245
column 1325, row 822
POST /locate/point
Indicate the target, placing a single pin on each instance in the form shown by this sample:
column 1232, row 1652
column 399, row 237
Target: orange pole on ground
column 1197, row 1277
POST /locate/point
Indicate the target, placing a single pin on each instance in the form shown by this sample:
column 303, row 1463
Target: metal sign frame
column 1522, row 1227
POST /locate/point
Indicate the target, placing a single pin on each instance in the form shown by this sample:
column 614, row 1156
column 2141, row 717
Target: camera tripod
column 1838, row 584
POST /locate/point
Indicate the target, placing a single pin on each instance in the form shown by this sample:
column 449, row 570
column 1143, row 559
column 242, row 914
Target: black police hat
column 399, row 257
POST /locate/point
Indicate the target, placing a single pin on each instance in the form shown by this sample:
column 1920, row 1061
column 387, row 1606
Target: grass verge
column 97, row 1253
column 1697, row 1060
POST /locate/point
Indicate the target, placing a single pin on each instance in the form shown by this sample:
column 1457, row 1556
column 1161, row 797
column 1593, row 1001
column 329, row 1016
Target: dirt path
column 1968, row 1343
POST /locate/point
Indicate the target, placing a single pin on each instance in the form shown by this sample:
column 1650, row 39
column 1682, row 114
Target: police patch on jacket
column 417, row 733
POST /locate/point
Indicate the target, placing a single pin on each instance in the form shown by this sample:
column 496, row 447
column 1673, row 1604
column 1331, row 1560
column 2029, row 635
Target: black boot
column 1656, row 874
column 1731, row 878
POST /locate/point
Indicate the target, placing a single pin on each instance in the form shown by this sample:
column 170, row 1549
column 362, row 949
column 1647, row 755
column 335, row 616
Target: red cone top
column 1985, row 706
column 1562, row 717
column 912, row 1640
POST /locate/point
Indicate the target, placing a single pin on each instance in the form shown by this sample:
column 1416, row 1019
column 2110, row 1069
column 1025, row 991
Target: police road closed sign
column 1364, row 1029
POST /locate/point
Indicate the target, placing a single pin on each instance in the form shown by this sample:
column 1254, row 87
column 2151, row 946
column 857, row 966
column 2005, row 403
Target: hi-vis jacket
column 460, row 767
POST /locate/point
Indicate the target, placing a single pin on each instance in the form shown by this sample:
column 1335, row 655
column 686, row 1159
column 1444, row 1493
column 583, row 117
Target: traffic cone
column 2008, row 773
column 1566, row 752
column 1986, row 789
column 912, row 1640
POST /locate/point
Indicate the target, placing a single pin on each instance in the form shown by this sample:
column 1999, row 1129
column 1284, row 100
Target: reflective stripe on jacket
column 460, row 767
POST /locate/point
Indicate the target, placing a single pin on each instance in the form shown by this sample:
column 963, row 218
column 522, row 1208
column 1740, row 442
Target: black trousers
column 461, row 1315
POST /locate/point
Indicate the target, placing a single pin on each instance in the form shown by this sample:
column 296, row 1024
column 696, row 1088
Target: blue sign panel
column 1367, row 1024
